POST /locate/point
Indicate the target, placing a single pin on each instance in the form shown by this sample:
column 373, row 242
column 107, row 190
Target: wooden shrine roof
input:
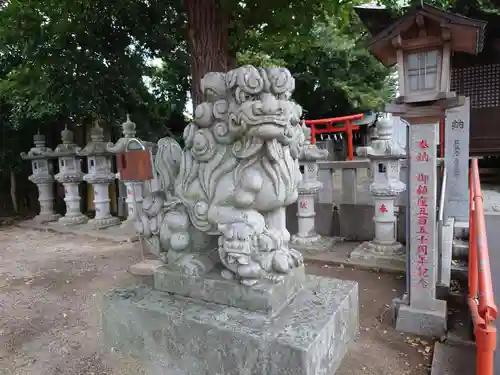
column 377, row 20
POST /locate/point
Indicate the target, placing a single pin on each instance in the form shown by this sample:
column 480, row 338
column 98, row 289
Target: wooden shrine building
column 477, row 77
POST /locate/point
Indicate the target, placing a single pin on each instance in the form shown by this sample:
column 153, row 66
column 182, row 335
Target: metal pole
column 407, row 213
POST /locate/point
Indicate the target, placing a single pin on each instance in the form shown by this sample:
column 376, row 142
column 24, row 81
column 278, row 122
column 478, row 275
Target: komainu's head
column 261, row 104
column 246, row 107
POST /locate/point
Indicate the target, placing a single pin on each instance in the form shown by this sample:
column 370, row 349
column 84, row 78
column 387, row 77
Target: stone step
column 459, row 340
column 459, row 270
column 460, row 249
column 452, row 359
column 461, row 229
column 460, row 330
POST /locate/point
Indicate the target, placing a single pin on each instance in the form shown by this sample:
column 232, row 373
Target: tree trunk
column 13, row 192
column 208, row 42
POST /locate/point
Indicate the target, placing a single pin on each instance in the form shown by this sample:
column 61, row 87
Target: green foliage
column 334, row 72
column 74, row 61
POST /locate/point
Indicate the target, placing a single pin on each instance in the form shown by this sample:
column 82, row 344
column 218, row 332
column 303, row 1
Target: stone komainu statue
column 223, row 197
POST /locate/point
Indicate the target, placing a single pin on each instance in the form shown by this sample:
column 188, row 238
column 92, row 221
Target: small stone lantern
column 70, row 175
column 385, row 155
column 43, row 178
column 308, row 189
column 100, row 175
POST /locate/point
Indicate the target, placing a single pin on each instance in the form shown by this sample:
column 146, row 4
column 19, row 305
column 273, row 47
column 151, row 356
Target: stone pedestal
column 100, row 176
column 171, row 334
column 306, row 233
column 43, row 178
column 103, row 217
column 73, row 214
column 137, row 187
column 70, row 176
column 385, row 156
column 46, row 199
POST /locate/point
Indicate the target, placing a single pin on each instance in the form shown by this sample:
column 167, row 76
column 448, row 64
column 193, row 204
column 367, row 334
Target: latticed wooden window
column 422, row 71
column 481, row 83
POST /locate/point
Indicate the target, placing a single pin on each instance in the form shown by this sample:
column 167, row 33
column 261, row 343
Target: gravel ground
column 51, row 287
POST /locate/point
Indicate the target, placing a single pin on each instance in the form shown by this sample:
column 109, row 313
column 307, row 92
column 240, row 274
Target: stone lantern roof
column 97, row 145
column 68, row 146
column 466, row 34
column 40, row 151
column 128, row 131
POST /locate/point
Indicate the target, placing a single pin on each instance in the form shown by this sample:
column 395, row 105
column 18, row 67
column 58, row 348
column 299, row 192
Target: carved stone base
column 311, row 240
column 384, row 255
column 106, row 222
column 265, row 297
column 73, row 220
column 320, row 244
column 46, row 218
column 170, row 334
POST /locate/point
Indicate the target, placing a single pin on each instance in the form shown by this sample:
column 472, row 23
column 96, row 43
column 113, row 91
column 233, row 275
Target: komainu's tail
column 167, row 163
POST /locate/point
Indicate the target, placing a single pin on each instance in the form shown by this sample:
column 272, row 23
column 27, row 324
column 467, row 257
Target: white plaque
column 457, row 128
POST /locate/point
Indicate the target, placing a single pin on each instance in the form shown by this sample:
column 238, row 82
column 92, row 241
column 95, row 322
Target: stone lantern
column 308, row 189
column 100, row 175
column 385, row 155
column 43, row 178
column 137, row 187
column 70, row 175
column 421, row 43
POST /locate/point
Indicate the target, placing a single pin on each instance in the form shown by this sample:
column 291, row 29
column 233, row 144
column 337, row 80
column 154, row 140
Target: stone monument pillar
column 100, row 175
column 128, row 130
column 70, row 175
column 219, row 221
column 385, row 155
column 457, row 130
column 423, row 303
column 43, row 178
column 308, row 189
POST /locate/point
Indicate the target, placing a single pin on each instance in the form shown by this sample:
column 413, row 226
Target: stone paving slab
column 113, row 234
column 339, row 254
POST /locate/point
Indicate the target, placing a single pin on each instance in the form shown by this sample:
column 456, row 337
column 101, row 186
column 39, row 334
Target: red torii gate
column 325, row 125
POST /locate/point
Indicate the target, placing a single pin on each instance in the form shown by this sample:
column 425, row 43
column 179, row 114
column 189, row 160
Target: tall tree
column 207, row 35
column 77, row 60
column 219, row 29
column 334, row 72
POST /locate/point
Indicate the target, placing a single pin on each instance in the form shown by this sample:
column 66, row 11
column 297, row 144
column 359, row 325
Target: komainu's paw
column 194, row 264
column 286, row 259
